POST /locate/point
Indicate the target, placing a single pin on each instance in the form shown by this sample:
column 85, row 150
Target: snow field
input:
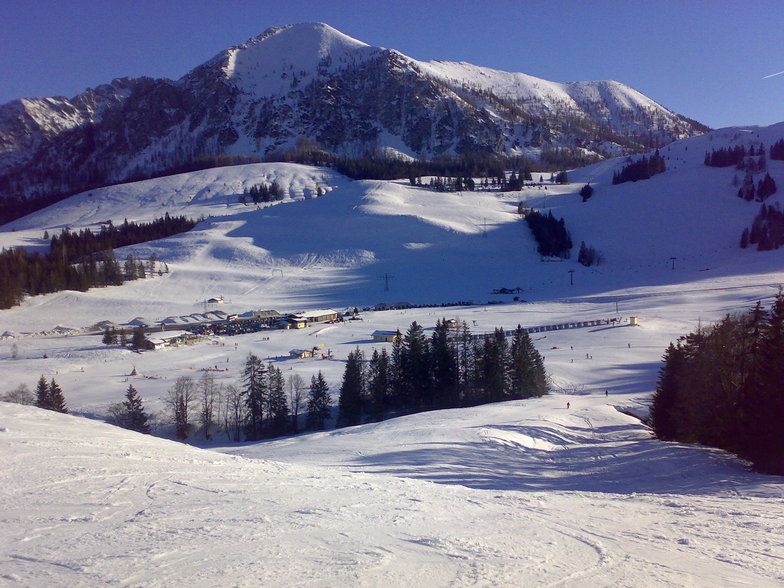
column 518, row 493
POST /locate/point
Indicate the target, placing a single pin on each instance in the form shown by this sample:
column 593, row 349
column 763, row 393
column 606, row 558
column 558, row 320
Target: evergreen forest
column 723, row 386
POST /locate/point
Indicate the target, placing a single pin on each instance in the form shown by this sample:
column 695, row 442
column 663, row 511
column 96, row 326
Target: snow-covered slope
column 518, row 493
column 508, row 495
column 432, row 247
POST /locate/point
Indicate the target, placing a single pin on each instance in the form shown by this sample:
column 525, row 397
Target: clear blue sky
column 701, row 58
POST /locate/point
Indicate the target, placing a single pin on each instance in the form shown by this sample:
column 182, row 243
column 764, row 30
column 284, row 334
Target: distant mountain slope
column 312, row 82
column 436, row 247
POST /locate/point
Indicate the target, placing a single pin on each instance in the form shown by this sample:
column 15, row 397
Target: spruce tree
column 444, row 369
column 318, row 403
column 665, row 404
column 56, row 400
column 527, row 377
column 493, row 369
column 42, row 393
column 255, row 396
column 278, row 408
column 351, row 391
column 135, row 417
column 379, row 383
column 415, row 369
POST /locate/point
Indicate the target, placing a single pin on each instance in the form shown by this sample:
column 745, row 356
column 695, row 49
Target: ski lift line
column 555, row 327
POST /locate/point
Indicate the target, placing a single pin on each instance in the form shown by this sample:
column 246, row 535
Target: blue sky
column 703, row 59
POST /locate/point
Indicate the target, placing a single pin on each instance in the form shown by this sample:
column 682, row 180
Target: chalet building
column 173, row 339
column 386, row 336
column 300, row 353
column 304, row 319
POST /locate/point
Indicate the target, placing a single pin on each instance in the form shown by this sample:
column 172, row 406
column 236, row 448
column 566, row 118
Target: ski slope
column 518, row 493
column 459, row 498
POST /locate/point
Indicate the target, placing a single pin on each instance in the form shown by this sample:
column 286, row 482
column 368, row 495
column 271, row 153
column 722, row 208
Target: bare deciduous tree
column 179, row 401
column 297, row 389
column 19, row 395
column 209, row 394
column 232, row 412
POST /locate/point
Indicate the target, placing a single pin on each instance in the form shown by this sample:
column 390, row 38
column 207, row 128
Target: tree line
column 765, row 188
column 642, row 169
column 767, row 229
column 71, row 246
column 263, row 193
column 15, row 204
column 47, row 395
column 451, row 368
column 551, row 235
column 80, row 261
column 729, row 156
column 723, row 386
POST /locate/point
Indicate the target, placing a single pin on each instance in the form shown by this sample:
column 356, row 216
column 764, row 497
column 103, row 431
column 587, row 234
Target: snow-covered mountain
column 310, row 82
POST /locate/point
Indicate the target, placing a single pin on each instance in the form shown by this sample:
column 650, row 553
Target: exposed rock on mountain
column 311, row 82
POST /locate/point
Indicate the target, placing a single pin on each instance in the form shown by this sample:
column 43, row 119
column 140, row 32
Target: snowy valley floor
column 514, row 494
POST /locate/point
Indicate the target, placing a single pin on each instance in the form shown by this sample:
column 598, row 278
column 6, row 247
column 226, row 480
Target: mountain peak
column 264, row 64
column 315, row 34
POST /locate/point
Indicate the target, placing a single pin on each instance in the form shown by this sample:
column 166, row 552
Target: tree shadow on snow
column 615, row 459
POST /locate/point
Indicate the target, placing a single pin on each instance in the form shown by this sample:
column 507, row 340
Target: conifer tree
column 42, row 393
column 493, row 367
column 56, row 399
column 318, row 403
column 527, row 377
column 665, row 400
column 255, row 396
column 415, row 369
column 444, row 369
column 135, row 418
column 278, row 410
column 350, row 403
column 379, row 383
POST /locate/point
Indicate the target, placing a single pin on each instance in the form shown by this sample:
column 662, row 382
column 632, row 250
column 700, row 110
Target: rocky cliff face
column 312, row 82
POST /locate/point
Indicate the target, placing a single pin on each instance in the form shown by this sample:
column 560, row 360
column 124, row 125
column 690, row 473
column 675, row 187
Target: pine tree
column 255, row 396
column 42, row 393
column 138, row 339
column 135, row 418
column 744, row 239
column 109, row 337
column 350, row 403
column 318, row 403
column 444, row 370
column 379, row 384
column 527, row 377
column 415, row 369
column 665, row 404
column 765, row 434
column 493, row 368
column 56, row 400
column 278, row 409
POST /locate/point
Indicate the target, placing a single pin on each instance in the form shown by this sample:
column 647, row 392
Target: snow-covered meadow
column 519, row 493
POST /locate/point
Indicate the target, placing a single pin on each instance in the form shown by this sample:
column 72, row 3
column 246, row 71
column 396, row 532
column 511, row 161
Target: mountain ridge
column 312, row 82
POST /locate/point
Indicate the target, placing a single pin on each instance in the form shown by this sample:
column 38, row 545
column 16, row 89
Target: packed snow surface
column 513, row 494
column 521, row 493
